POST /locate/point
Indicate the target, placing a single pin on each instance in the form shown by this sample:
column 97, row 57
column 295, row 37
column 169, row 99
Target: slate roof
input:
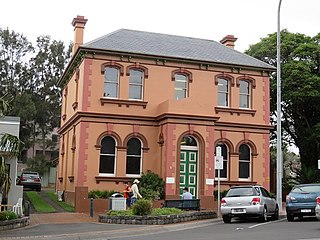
column 164, row 45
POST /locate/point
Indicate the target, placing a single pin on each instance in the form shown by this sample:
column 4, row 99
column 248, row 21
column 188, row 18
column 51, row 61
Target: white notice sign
column 318, row 164
column 218, row 162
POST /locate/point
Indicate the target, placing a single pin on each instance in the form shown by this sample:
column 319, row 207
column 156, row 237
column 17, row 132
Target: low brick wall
column 158, row 220
column 14, row 223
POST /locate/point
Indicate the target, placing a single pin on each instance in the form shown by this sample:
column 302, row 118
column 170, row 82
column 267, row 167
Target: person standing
column 186, row 195
column 127, row 193
column 135, row 191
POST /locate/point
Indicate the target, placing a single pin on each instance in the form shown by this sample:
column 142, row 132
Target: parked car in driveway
column 30, row 180
column 248, row 201
column 318, row 208
column 301, row 201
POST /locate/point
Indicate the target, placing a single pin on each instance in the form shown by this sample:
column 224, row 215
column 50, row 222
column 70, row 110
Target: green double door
column 188, row 171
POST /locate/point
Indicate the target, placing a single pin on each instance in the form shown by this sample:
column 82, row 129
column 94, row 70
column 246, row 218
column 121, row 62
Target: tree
column 300, row 66
column 29, row 73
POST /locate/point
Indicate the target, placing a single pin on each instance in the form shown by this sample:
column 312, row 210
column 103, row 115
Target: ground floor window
column 244, row 161
column 107, row 156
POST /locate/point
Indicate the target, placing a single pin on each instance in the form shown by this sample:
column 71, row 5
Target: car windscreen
column 241, row 192
column 306, row 189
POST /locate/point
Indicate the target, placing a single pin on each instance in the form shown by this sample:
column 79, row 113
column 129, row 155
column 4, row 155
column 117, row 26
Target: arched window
column 136, row 84
column 107, row 156
column 225, row 155
column 134, row 153
column 111, row 82
column 244, row 162
column 244, row 94
column 181, row 86
column 223, row 92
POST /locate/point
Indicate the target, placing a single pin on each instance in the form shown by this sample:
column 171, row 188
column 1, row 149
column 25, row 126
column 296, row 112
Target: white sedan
column 318, row 208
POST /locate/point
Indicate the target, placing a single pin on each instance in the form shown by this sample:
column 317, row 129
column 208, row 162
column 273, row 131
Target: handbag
column 130, row 194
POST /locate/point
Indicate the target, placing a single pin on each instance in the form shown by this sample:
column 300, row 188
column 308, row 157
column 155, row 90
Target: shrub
column 142, row 207
column 8, row 215
column 165, row 211
column 222, row 194
column 100, row 194
column 151, row 186
column 120, row 212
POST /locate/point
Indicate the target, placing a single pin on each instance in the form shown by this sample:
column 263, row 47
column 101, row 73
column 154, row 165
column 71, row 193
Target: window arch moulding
column 145, row 146
column 137, row 66
column 246, row 78
column 183, row 72
column 112, row 64
column 104, row 134
column 250, row 144
column 226, row 142
column 224, row 76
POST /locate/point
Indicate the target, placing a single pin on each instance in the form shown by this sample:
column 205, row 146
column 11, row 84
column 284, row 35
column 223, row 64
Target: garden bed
column 157, row 220
column 14, row 223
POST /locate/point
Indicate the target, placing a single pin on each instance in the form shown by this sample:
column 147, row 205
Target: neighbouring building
column 11, row 125
column 135, row 101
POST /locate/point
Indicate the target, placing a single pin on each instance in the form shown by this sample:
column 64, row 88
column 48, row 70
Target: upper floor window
column 224, row 154
column 180, row 86
column 244, row 94
column 223, row 92
column 136, row 84
column 134, row 153
column 111, row 82
column 107, row 156
column 244, row 161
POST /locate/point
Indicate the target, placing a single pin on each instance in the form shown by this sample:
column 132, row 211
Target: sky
column 247, row 20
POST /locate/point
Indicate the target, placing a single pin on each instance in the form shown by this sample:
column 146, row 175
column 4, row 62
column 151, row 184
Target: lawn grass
column 51, row 195
column 38, row 203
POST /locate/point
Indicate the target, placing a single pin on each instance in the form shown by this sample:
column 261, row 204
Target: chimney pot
column 79, row 23
column 228, row 41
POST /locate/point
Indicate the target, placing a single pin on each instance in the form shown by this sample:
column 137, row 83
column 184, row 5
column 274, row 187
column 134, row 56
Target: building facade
column 136, row 101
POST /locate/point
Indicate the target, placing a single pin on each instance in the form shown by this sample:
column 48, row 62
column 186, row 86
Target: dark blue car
column 301, row 201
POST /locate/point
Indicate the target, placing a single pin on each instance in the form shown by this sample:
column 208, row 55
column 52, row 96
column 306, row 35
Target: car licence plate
column 305, row 210
column 238, row 210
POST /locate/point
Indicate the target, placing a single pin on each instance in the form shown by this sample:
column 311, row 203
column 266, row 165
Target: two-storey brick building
column 135, row 101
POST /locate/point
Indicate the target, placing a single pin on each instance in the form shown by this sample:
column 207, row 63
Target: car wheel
column 39, row 189
column 290, row 217
column 264, row 216
column 226, row 219
column 275, row 216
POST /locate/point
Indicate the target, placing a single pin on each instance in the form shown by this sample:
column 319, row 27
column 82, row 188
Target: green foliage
column 120, row 212
column 166, row 211
column 38, row 164
column 7, row 215
column 100, row 194
column 304, row 175
column 222, row 194
column 51, row 195
column 151, row 186
column 142, row 207
column 300, row 68
column 29, row 73
column 38, row 203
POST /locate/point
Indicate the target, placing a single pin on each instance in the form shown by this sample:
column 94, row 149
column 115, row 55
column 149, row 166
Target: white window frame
column 248, row 94
column 185, row 90
column 141, row 154
column 246, row 161
column 111, row 82
column 224, row 92
column 137, row 84
column 115, row 159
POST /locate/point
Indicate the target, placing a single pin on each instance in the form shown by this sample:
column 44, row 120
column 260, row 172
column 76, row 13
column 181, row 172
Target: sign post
column 218, row 166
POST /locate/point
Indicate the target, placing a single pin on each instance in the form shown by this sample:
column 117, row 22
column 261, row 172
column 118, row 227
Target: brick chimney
column 229, row 41
column 78, row 22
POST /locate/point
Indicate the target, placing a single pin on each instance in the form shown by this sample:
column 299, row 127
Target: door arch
column 189, row 158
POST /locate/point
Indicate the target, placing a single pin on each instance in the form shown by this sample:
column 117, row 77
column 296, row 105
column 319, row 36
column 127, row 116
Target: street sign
column 319, row 164
column 219, row 163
